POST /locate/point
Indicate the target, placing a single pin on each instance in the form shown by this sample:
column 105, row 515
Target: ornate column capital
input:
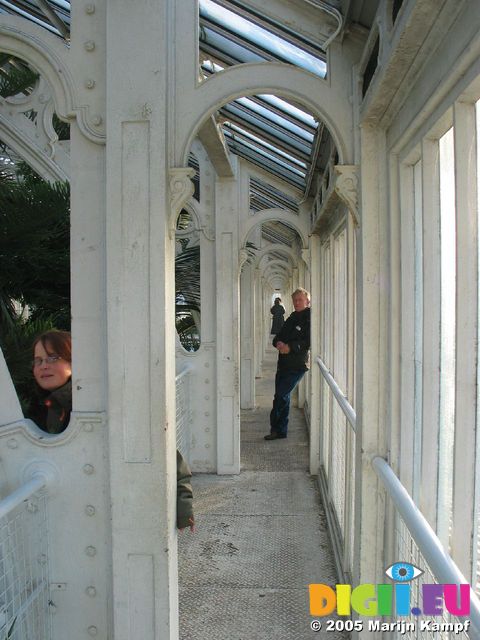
column 181, row 189
column 346, row 187
column 242, row 258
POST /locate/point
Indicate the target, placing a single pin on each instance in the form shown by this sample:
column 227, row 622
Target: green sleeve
column 184, row 493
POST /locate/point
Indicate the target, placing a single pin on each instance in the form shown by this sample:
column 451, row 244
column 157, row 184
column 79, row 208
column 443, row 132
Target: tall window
column 476, row 546
column 447, row 344
column 418, row 331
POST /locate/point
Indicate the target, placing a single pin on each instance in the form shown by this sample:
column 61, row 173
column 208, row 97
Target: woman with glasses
column 52, row 371
column 52, row 406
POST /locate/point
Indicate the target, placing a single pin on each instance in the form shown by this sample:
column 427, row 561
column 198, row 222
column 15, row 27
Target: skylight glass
column 227, row 49
column 55, row 17
column 260, row 37
column 13, row 9
column 265, row 154
column 268, row 146
column 305, row 117
column 281, row 137
column 270, row 115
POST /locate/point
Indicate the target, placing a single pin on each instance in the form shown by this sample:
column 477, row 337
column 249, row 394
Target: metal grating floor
column 261, row 539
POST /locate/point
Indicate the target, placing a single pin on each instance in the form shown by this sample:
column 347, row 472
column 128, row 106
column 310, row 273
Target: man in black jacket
column 293, row 344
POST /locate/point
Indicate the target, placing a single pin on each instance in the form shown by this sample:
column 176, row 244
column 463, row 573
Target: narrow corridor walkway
column 261, row 539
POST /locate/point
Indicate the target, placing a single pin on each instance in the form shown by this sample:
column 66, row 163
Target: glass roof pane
column 276, row 135
column 305, row 117
column 211, row 67
column 270, row 115
column 8, row 7
column 235, row 142
column 254, row 139
column 58, row 22
column 265, row 196
column 262, row 37
column 264, row 164
column 226, row 49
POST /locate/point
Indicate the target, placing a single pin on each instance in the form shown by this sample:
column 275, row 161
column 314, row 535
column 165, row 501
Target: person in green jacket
column 185, row 517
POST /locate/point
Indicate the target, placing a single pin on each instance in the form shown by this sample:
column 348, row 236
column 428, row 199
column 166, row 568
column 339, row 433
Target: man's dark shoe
column 275, row 436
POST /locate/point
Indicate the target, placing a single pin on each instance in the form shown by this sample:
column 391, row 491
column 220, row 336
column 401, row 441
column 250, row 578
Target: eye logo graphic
column 390, row 599
column 403, row 572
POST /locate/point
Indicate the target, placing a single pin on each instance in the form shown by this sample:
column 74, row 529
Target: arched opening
column 35, row 228
column 268, row 155
column 187, row 282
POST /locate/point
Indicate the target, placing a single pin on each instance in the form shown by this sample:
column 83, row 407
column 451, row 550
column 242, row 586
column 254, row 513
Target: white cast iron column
column 140, row 292
column 228, row 359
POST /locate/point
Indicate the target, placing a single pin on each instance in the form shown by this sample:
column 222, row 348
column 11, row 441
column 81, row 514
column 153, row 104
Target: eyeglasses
column 37, row 362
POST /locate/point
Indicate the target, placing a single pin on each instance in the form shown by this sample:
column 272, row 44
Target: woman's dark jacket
column 51, row 410
column 277, row 311
column 296, row 333
column 184, row 493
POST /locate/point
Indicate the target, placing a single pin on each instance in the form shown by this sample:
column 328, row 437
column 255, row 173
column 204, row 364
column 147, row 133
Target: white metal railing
column 183, row 412
column 414, row 540
column 337, row 478
column 417, row 543
column 24, row 579
column 346, row 407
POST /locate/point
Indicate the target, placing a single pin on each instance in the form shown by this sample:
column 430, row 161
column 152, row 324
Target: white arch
column 278, row 215
column 287, row 262
column 52, row 59
column 277, row 248
column 319, row 96
column 275, row 265
column 31, row 152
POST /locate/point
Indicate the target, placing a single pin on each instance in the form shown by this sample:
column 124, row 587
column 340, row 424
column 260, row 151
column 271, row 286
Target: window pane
column 447, row 344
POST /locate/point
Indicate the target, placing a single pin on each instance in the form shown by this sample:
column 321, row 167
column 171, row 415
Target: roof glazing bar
column 238, row 131
column 274, row 26
column 249, row 30
column 54, row 18
column 29, row 16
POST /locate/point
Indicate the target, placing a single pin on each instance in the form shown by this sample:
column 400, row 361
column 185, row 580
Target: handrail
column 443, row 568
column 8, row 504
column 346, row 407
column 182, row 373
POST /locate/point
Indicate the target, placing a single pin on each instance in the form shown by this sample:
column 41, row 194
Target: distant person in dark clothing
column 293, row 344
column 277, row 311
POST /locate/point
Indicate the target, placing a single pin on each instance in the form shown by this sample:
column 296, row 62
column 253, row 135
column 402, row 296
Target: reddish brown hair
column 55, row 341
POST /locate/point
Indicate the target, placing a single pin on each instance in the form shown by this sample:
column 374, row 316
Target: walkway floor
column 261, row 539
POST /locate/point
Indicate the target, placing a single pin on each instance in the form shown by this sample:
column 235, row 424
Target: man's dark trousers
column 285, row 383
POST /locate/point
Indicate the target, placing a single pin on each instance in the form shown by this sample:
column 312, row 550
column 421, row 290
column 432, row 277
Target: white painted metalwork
column 339, row 480
column 184, row 413
column 346, row 407
column 24, row 579
column 416, row 542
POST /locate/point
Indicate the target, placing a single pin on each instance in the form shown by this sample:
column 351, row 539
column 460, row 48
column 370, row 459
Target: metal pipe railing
column 443, row 568
column 183, row 411
column 182, row 373
column 345, row 406
column 8, row 504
